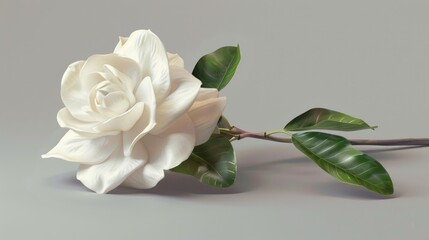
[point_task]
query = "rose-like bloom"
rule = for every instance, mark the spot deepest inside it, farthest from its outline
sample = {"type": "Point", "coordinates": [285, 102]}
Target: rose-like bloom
{"type": "Point", "coordinates": [132, 114]}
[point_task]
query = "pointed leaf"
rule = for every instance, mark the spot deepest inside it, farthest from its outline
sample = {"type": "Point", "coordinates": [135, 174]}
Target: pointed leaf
{"type": "Point", "coordinates": [212, 163]}
{"type": "Point", "coordinates": [321, 118]}
{"type": "Point", "coordinates": [336, 156]}
{"type": "Point", "coordinates": [216, 69]}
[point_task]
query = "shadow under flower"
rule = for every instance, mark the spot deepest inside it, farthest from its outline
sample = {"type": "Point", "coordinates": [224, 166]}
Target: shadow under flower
{"type": "Point", "coordinates": [175, 184]}
{"type": "Point", "coordinates": [66, 181]}
{"type": "Point", "coordinates": [172, 185]}
{"type": "Point", "coordinates": [254, 169]}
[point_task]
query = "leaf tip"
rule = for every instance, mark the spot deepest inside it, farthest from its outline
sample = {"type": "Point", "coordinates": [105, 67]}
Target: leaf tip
{"type": "Point", "coordinates": [238, 52]}
{"type": "Point", "coordinates": [388, 191]}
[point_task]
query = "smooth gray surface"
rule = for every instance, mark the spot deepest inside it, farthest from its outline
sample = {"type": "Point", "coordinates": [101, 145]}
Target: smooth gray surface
{"type": "Point", "coordinates": [366, 58]}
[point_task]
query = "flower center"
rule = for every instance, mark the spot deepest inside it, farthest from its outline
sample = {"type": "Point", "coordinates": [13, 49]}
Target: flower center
{"type": "Point", "coordinates": [110, 99]}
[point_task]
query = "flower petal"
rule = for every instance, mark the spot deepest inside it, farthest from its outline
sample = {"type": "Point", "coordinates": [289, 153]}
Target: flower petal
{"type": "Point", "coordinates": [123, 122]}
{"type": "Point", "coordinates": [76, 148]}
{"type": "Point", "coordinates": [73, 92]}
{"type": "Point", "coordinates": [144, 93]}
{"type": "Point", "coordinates": [122, 41]}
{"type": "Point", "coordinates": [109, 174]}
{"type": "Point", "coordinates": [147, 50]}
{"type": "Point", "coordinates": [184, 90]}
{"type": "Point", "coordinates": [66, 120]}
{"type": "Point", "coordinates": [204, 115]}
{"type": "Point", "coordinates": [175, 60]}
{"type": "Point", "coordinates": [206, 93]}
{"type": "Point", "coordinates": [166, 151]}
{"type": "Point", "coordinates": [96, 63]}
{"type": "Point", "coordinates": [173, 146]}
{"type": "Point", "coordinates": [124, 81]}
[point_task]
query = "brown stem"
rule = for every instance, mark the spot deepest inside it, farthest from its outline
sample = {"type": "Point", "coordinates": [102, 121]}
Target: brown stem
{"type": "Point", "coordinates": [392, 142]}
{"type": "Point", "coordinates": [240, 134]}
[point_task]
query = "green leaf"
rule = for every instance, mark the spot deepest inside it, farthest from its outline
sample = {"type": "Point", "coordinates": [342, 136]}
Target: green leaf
{"type": "Point", "coordinates": [336, 156]}
{"type": "Point", "coordinates": [212, 163]}
{"type": "Point", "coordinates": [321, 118]}
{"type": "Point", "coordinates": [216, 69]}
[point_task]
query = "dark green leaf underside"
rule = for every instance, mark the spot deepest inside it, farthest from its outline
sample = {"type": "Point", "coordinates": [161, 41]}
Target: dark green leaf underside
{"type": "Point", "coordinates": [216, 69]}
{"type": "Point", "coordinates": [321, 118]}
{"type": "Point", "coordinates": [336, 156]}
{"type": "Point", "coordinates": [212, 163]}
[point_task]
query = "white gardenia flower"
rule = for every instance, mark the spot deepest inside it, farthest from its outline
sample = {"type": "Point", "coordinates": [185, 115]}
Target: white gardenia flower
{"type": "Point", "coordinates": [132, 114]}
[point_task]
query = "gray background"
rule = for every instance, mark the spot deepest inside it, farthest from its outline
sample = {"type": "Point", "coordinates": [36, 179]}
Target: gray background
{"type": "Point", "coordinates": [366, 58]}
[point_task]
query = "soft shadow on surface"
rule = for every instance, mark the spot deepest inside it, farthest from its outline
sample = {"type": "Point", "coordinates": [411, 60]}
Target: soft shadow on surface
{"type": "Point", "coordinates": [337, 189]}
{"type": "Point", "coordinates": [172, 185]}
{"type": "Point", "coordinates": [298, 165]}
{"type": "Point", "coordinates": [391, 149]}
{"type": "Point", "coordinates": [175, 184]}
{"type": "Point", "coordinates": [255, 169]}
{"type": "Point", "coordinates": [66, 181]}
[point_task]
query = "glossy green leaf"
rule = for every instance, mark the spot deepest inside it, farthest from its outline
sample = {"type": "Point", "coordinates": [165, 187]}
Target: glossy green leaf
{"type": "Point", "coordinates": [321, 118]}
{"type": "Point", "coordinates": [336, 156]}
{"type": "Point", "coordinates": [216, 69]}
{"type": "Point", "coordinates": [212, 163]}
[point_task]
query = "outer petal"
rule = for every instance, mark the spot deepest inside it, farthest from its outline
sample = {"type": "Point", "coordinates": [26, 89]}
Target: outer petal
{"type": "Point", "coordinates": [206, 93]}
{"type": "Point", "coordinates": [184, 90]}
{"type": "Point", "coordinates": [112, 126]}
{"type": "Point", "coordinates": [175, 60]}
{"type": "Point", "coordinates": [109, 174]}
{"type": "Point", "coordinates": [122, 41]}
{"type": "Point", "coordinates": [166, 151]}
{"type": "Point", "coordinates": [144, 93]}
{"type": "Point", "coordinates": [66, 120]}
{"type": "Point", "coordinates": [204, 115]}
{"type": "Point", "coordinates": [73, 92]}
{"type": "Point", "coordinates": [147, 50]}
{"type": "Point", "coordinates": [76, 148]}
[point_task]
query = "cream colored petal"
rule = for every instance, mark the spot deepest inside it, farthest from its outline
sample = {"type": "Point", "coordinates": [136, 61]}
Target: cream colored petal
{"type": "Point", "coordinates": [66, 120]}
{"type": "Point", "coordinates": [144, 93]}
{"type": "Point", "coordinates": [104, 177]}
{"type": "Point", "coordinates": [123, 122]}
{"type": "Point", "coordinates": [74, 92]}
{"type": "Point", "coordinates": [206, 93]}
{"type": "Point", "coordinates": [122, 41]}
{"type": "Point", "coordinates": [205, 115]}
{"type": "Point", "coordinates": [123, 81]}
{"type": "Point", "coordinates": [145, 177]}
{"type": "Point", "coordinates": [96, 63]}
{"type": "Point", "coordinates": [175, 60]}
{"type": "Point", "coordinates": [76, 148]}
{"type": "Point", "coordinates": [140, 129]}
{"type": "Point", "coordinates": [147, 50]}
{"type": "Point", "coordinates": [184, 90]}
{"type": "Point", "coordinates": [166, 151]}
